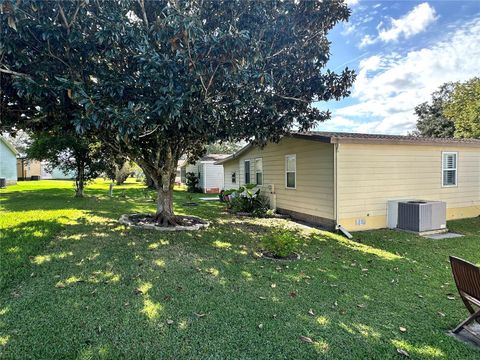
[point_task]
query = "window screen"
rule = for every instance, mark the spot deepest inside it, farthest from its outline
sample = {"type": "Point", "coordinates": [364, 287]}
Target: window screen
{"type": "Point", "coordinates": [449, 169]}
{"type": "Point", "coordinates": [290, 171]}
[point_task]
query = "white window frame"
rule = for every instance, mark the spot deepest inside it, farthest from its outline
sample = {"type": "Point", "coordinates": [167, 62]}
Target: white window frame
{"type": "Point", "coordinates": [249, 172]}
{"type": "Point", "coordinates": [256, 171]}
{"type": "Point", "coordinates": [286, 172]}
{"type": "Point", "coordinates": [447, 169]}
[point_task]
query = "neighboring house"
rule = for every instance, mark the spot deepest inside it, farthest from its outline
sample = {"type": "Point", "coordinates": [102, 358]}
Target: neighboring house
{"type": "Point", "coordinates": [56, 173]}
{"type": "Point", "coordinates": [8, 161]}
{"type": "Point", "coordinates": [210, 175]}
{"type": "Point", "coordinates": [346, 179]}
{"type": "Point", "coordinates": [29, 169]}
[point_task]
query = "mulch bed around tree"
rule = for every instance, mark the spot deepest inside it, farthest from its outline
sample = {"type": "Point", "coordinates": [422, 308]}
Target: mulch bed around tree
{"type": "Point", "coordinates": [147, 221]}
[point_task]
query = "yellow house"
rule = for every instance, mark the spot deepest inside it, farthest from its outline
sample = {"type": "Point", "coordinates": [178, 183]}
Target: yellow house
{"type": "Point", "coordinates": [348, 179]}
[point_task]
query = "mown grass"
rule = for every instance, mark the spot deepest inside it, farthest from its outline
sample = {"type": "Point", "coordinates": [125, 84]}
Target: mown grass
{"type": "Point", "coordinates": [74, 284]}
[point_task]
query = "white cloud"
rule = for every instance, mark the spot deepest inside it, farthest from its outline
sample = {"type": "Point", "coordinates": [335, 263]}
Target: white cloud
{"type": "Point", "coordinates": [388, 87]}
{"type": "Point", "coordinates": [414, 22]}
{"type": "Point", "coordinates": [352, 2]}
{"type": "Point", "coordinates": [367, 40]}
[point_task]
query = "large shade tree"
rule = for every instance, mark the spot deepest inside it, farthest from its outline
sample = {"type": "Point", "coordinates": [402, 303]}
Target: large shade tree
{"type": "Point", "coordinates": [463, 108]}
{"type": "Point", "coordinates": [431, 120]}
{"type": "Point", "coordinates": [158, 79]}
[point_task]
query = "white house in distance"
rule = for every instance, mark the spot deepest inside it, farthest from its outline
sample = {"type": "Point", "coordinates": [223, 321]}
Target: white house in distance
{"type": "Point", "coordinates": [349, 180]}
{"type": "Point", "coordinates": [211, 177]}
{"type": "Point", "coordinates": [8, 161]}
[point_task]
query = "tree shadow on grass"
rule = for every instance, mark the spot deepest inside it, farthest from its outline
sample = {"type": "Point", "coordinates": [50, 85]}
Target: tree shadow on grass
{"type": "Point", "coordinates": [99, 287]}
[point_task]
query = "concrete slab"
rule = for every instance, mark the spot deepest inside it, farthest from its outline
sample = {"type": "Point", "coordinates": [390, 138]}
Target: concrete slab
{"type": "Point", "coordinates": [468, 337]}
{"type": "Point", "coordinates": [448, 235]}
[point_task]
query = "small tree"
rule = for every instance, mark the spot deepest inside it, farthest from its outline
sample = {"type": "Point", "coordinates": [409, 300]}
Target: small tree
{"type": "Point", "coordinates": [463, 108]}
{"type": "Point", "coordinates": [69, 154]}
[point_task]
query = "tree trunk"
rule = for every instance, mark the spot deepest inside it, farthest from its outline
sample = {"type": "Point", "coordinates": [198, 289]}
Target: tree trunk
{"type": "Point", "coordinates": [80, 180]}
{"type": "Point", "coordinates": [149, 181]}
{"type": "Point", "coordinates": [161, 169]}
{"type": "Point", "coordinates": [165, 215]}
{"type": "Point", "coordinates": [164, 183]}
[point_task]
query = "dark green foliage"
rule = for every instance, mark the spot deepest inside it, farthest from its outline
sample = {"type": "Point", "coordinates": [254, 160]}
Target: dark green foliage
{"type": "Point", "coordinates": [431, 119]}
{"type": "Point", "coordinates": [281, 242]}
{"type": "Point", "coordinates": [192, 182]}
{"type": "Point", "coordinates": [155, 80]}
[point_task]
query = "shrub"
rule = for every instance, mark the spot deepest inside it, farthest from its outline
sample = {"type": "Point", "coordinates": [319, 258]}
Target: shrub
{"type": "Point", "coordinates": [246, 199]}
{"type": "Point", "coordinates": [192, 182]}
{"type": "Point", "coordinates": [280, 243]}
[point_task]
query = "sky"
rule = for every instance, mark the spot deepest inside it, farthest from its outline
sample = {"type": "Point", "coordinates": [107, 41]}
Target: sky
{"type": "Point", "coordinates": [401, 51]}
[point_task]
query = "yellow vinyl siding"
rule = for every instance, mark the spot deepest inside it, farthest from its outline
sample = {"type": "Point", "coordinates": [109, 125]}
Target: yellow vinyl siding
{"type": "Point", "coordinates": [369, 175]}
{"type": "Point", "coordinates": [314, 167]}
{"type": "Point", "coordinates": [229, 168]}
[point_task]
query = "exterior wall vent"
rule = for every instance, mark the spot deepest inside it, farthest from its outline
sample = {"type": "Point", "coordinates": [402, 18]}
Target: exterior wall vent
{"type": "Point", "coordinates": [3, 183]}
{"type": "Point", "coordinates": [421, 216]}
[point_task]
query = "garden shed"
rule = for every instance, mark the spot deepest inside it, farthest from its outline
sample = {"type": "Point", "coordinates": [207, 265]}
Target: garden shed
{"type": "Point", "coordinates": [210, 175]}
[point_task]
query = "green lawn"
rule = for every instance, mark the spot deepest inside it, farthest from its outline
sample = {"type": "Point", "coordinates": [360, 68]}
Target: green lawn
{"type": "Point", "coordinates": [75, 284]}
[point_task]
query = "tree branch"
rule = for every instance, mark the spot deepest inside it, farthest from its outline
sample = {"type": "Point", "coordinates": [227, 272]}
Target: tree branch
{"type": "Point", "coordinates": [292, 98]}
{"type": "Point", "coordinates": [64, 19]}
{"type": "Point", "coordinates": [11, 72]}
{"type": "Point", "coordinates": [144, 13]}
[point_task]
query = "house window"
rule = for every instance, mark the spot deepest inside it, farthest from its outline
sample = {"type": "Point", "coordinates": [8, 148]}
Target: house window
{"type": "Point", "coordinates": [234, 177]}
{"type": "Point", "coordinates": [247, 171]}
{"type": "Point", "coordinates": [259, 171]}
{"type": "Point", "coordinates": [449, 168]}
{"type": "Point", "coordinates": [290, 171]}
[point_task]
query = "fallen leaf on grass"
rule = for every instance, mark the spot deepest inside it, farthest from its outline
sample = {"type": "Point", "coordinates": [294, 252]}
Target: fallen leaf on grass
{"type": "Point", "coordinates": [260, 326]}
{"type": "Point", "coordinates": [361, 306]}
{"type": "Point", "coordinates": [262, 298]}
{"type": "Point", "coordinates": [170, 322]}
{"type": "Point", "coordinates": [441, 314]}
{"type": "Point", "coordinates": [60, 286]}
{"type": "Point", "coordinates": [450, 297]}
{"type": "Point", "coordinates": [200, 315]}
{"type": "Point", "coordinates": [273, 286]}
{"type": "Point", "coordinates": [402, 329]}
{"type": "Point", "coordinates": [311, 313]}
{"type": "Point", "coordinates": [293, 294]}
{"type": "Point", "coordinates": [403, 352]}
{"type": "Point", "coordinates": [306, 339]}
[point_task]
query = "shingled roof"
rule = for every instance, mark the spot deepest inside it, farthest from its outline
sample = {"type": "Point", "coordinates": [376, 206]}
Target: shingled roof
{"type": "Point", "coordinates": [342, 137]}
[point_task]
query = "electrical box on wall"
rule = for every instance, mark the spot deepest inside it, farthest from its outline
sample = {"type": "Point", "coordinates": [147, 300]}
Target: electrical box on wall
{"type": "Point", "coordinates": [360, 221]}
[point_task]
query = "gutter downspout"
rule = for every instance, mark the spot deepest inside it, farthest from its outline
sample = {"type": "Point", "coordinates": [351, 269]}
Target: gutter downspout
{"type": "Point", "coordinates": [338, 226]}
{"type": "Point", "coordinates": [335, 186]}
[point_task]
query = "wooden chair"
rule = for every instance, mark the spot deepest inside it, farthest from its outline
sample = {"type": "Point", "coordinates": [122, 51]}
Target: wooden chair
{"type": "Point", "coordinates": [467, 278]}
